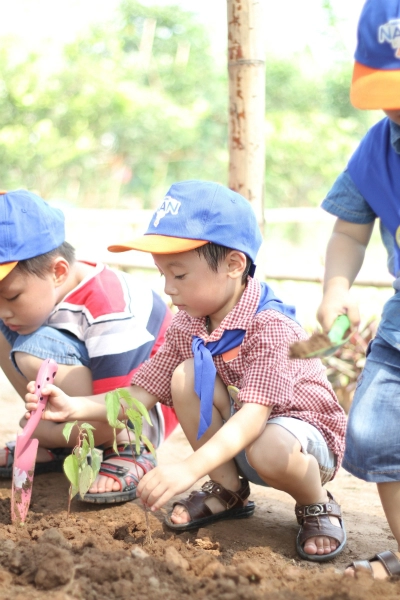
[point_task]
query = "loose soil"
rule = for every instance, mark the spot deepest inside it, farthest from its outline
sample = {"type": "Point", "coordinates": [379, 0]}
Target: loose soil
{"type": "Point", "coordinates": [101, 553]}
{"type": "Point", "coordinates": [306, 348]}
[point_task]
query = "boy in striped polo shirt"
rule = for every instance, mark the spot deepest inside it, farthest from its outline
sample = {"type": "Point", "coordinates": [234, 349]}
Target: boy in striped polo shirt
{"type": "Point", "coordinates": [92, 320]}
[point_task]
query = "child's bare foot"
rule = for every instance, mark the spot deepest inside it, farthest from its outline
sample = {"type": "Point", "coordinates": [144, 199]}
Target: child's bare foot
{"type": "Point", "coordinates": [46, 460]}
{"type": "Point", "coordinates": [43, 455]}
{"type": "Point", "coordinates": [321, 544]}
{"type": "Point", "coordinates": [119, 475]}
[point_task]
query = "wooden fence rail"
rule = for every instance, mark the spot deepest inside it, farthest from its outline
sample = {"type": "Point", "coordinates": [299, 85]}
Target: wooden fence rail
{"type": "Point", "coordinates": [92, 230]}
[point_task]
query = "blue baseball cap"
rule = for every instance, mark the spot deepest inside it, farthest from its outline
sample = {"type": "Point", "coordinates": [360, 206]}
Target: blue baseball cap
{"type": "Point", "coordinates": [376, 74]}
{"type": "Point", "coordinates": [28, 227]}
{"type": "Point", "coordinates": [194, 213]}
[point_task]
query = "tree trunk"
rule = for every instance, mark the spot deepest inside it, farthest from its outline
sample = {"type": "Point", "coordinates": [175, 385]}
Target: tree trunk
{"type": "Point", "coordinates": [246, 68]}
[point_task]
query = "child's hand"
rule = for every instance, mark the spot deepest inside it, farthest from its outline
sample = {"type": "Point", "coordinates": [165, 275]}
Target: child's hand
{"type": "Point", "coordinates": [59, 408]}
{"type": "Point", "coordinates": [162, 483]}
{"type": "Point", "coordinates": [334, 305]}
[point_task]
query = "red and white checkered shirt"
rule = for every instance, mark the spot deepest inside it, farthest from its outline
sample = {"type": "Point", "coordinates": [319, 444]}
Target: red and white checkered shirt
{"type": "Point", "coordinates": [262, 371]}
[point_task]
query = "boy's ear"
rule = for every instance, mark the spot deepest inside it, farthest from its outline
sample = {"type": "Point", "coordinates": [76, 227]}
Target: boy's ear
{"type": "Point", "coordinates": [60, 269]}
{"type": "Point", "coordinates": [236, 263]}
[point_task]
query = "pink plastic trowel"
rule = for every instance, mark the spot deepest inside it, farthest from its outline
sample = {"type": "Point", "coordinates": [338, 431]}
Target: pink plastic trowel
{"type": "Point", "coordinates": [26, 448]}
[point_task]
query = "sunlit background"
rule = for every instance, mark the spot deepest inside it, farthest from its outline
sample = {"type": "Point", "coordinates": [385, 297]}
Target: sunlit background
{"type": "Point", "coordinates": [104, 103]}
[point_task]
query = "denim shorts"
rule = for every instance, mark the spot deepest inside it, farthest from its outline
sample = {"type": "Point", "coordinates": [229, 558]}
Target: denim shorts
{"type": "Point", "coordinates": [311, 441]}
{"type": "Point", "coordinates": [47, 342]}
{"type": "Point", "coordinates": [373, 429]}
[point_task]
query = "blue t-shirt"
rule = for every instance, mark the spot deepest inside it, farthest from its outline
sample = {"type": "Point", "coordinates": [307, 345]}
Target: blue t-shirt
{"type": "Point", "coordinates": [345, 201]}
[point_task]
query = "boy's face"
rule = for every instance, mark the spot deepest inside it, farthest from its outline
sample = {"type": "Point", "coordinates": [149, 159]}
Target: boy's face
{"type": "Point", "coordinates": [26, 301]}
{"type": "Point", "coordinates": [394, 115]}
{"type": "Point", "coordinates": [194, 287]}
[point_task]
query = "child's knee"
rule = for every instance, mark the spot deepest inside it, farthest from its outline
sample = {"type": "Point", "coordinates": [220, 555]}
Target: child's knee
{"type": "Point", "coordinates": [182, 381]}
{"type": "Point", "coordinates": [267, 465]}
{"type": "Point", "coordinates": [27, 364]}
{"type": "Point", "coordinates": [269, 455]}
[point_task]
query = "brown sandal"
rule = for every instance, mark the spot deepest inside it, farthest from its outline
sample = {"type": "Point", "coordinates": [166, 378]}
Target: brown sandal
{"type": "Point", "coordinates": [314, 521]}
{"type": "Point", "coordinates": [201, 515]}
{"type": "Point", "coordinates": [387, 558]}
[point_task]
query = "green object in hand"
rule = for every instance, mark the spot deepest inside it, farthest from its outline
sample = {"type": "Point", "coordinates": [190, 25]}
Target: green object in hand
{"type": "Point", "coordinates": [338, 330]}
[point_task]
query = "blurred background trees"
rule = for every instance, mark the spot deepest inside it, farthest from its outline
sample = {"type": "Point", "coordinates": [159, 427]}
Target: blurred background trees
{"type": "Point", "coordinates": [140, 101]}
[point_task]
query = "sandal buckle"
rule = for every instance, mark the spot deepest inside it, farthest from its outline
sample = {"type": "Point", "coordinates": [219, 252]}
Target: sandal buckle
{"type": "Point", "coordinates": [208, 486]}
{"type": "Point", "coordinates": [313, 510]}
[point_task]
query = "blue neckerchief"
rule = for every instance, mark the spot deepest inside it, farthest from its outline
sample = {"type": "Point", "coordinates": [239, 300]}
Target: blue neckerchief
{"type": "Point", "coordinates": [204, 368]}
{"type": "Point", "coordinates": [375, 170]}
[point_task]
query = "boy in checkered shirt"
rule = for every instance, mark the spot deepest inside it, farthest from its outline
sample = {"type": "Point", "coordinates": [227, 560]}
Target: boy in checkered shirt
{"type": "Point", "coordinates": [249, 412]}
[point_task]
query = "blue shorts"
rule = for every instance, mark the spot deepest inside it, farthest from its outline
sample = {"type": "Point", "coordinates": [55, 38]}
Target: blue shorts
{"type": "Point", "coordinates": [47, 342]}
{"type": "Point", "coordinates": [373, 430]}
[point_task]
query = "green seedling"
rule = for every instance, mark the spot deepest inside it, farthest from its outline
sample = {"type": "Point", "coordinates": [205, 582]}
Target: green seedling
{"type": "Point", "coordinates": [133, 412]}
{"type": "Point", "coordinates": [79, 471]}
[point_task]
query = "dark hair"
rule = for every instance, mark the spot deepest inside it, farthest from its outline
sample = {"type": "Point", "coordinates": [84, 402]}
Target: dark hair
{"type": "Point", "coordinates": [214, 254]}
{"type": "Point", "coordinates": [40, 265]}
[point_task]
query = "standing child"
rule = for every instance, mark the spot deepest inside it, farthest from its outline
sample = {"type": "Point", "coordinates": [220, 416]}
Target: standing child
{"type": "Point", "coordinates": [91, 319]}
{"type": "Point", "coordinates": [367, 189]}
{"type": "Point", "coordinates": [249, 412]}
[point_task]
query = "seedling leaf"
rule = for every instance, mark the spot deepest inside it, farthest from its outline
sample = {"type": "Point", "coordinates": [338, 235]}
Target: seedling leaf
{"type": "Point", "coordinates": [71, 469]}
{"type": "Point", "coordinates": [96, 462]}
{"type": "Point", "coordinates": [135, 419]}
{"type": "Point", "coordinates": [88, 427]}
{"type": "Point", "coordinates": [149, 445]}
{"type": "Point", "coordinates": [135, 404]}
{"type": "Point", "coordinates": [113, 407]}
{"type": "Point", "coordinates": [67, 429]}
{"type": "Point", "coordinates": [73, 491]}
{"type": "Point", "coordinates": [125, 395]}
{"type": "Point", "coordinates": [90, 437]}
{"type": "Point", "coordinates": [142, 409]}
{"type": "Point", "coordinates": [84, 450]}
{"type": "Point", "coordinates": [85, 479]}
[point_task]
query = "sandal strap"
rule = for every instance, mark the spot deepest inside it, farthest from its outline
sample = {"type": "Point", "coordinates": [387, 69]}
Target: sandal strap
{"type": "Point", "coordinates": [110, 469]}
{"type": "Point", "coordinates": [124, 451]}
{"type": "Point", "coordinates": [196, 505]}
{"type": "Point", "coordinates": [361, 565]}
{"type": "Point", "coordinates": [124, 476]}
{"type": "Point", "coordinates": [9, 449]}
{"type": "Point", "coordinates": [330, 508]}
{"type": "Point", "coordinates": [227, 496]}
{"type": "Point", "coordinates": [314, 521]}
{"type": "Point", "coordinates": [389, 561]}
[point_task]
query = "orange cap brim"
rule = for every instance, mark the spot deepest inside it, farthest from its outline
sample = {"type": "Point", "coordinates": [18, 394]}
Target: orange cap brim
{"type": "Point", "coordinates": [159, 244]}
{"type": "Point", "coordinates": [6, 268]}
{"type": "Point", "coordinates": [375, 89]}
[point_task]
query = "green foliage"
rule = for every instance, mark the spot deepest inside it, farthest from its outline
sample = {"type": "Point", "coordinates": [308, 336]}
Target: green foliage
{"type": "Point", "coordinates": [311, 131]}
{"type": "Point", "coordinates": [79, 471]}
{"type": "Point", "coordinates": [119, 118]}
{"type": "Point", "coordinates": [140, 102]}
{"type": "Point", "coordinates": [135, 411]}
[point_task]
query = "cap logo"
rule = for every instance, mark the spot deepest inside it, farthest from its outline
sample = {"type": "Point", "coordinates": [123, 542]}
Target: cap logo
{"type": "Point", "coordinates": [169, 205]}
{"type": "Point", "coordinates": [390, 32]}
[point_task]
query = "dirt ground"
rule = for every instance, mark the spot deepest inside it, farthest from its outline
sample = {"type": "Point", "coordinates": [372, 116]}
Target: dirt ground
{"type": "Point", "coordinates": [101, 553]}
